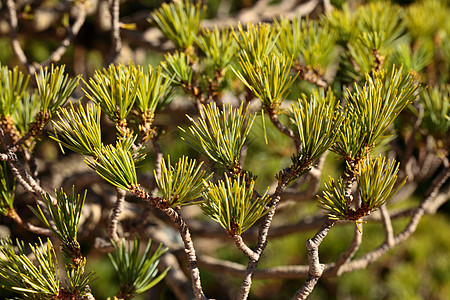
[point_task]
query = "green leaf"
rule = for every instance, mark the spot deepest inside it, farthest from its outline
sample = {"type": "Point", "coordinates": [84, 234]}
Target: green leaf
{"type": "Point", "coordinates": [79, 129]}
{"type": "Point", "coordinates": [267, 77]}
{"type": "Point", "coordinates": [257, 41]}
{"type": "Point", "coordinates": [7, 190]}
{"type": "Point", "coordinates": [54, 88]}
{"type": "Point", "coordinates": [178, 66]}
{"type": "Point", "coordinates": [333, 200]}
{"type": "Point", "coordinates": [13, 89]}
{"type": "Point", "coordinates": [371, 109]}
{"type": "Point", "coordinates": [18, 272]}
{"type": "Point", "coordinates": [310, 43]}
{"type": "Point", "coordinates": [317, 120]}
{"type": "Point", "coordinates": [115, 164]}
{"type": "Point", "coordinates": [220, 135]}
{"type": "Point", "coordinates": [436, 105]}
{"type": "Point", "coordinates": [376, 182]}
{"type": "Point", "coordinates": [65, 215]}
{"type": "Point", "coordinates": [230, 203]}
{"type": "Point", "coordinates": [181, 184]}
{"type": "Point", "coordinates": [137, 273]}
{"type": "Point", "coordinates": [154, 90]}
{"type": "Point", "coordinates": [218, 45]}
{"type": "Point", "coordinates": [180, 22]}
{"type": "Point", "coordinates": [114, 89]}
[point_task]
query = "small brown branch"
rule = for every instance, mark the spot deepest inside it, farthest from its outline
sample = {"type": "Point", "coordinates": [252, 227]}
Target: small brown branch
{"type": "Point", "coordinates": [30, 227]}
{"type": "Point", "coordinates": [351, 250]}
{"type": "Point", "coordinates": [158, 160]}
{"type": "Point", "coordinates": [115, 30]}
{"type": "Point", "coordinates": [262, 242]}
{"type": "Point", "coordinates": [387, 224]}
{"type": "Point", "coordinates": [13, 22]}
{"type": "Point", "coordinates": [244, 248]}
{"type": "Point", "coordinates": [311, 75]}
{"type": "Point", "coordinates": [315, 267]}
{"type": "Point", "coordinates": [72, 32]}
{"type": "Point", "coordinates": [183, 229]}
{"type": "Point", "coordinates": [175, 278]}
{"type": "Point", "coordinates": [190, 251]}
{"type": "Point", "coordinates": [115, 214]}
{"type": "Point", "coordinates": [280, 126]}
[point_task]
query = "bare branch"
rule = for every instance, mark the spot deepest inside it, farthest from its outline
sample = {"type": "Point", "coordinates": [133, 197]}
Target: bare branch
{"type": "Point", "coordinates": [115, 214]}
{"type": "Point", "coordinates": [315, 267]}
{"type": "Point", "coordinates": [190, 251]}
{"type": "Point", "coordinates": [389, 231]}
{"type": "Point", "coordinates": [158, 160]}
{"type": "Point", "coordinates": [244, 248]}
{"type": "Point", "coordinates": [115, 30]}
{"type": "Point", "coordinates": [13, 22]}
{"type": "Point", "coordinates": [72, 32]}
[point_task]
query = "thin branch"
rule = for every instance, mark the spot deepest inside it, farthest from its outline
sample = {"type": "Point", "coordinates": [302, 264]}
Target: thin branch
{"type": "Point", "coordinates": [13, 22]}
{"type": "Point", "coordinates": [115, 214]}
{"type": "Point", "coordinates": [262, 242]}
{"type": "Point", "coordinates": [30, 227]}
{"type": "Point", "coordinates": [280, 126]}
{"type": "Point", "coordinates": [19, 171]}
{"type": "Point", "coordinates": [387, 224]}
{"type": "Point", "coordinates": [244, 248]}
{"type": "Point", "coordinates": [190, 251]}
{"type": "Point", "coordinates": [315, 267]}
{"type": "Point", "coordinates": [157, 166]}
{"type": "Point", "coordinates": [351, 250]}
{"type": "Point", "coordinates": [115, 30]}
{"type": "Point", "coordinates": [72, 32]}
{"type": "Point", "coordinates": [183, 229]}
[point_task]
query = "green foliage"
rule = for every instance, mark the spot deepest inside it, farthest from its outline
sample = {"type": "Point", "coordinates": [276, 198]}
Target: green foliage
{"type": "Point", "coordinates": [182, 184]}
{"type": "Point", "coordinates": [317, 121]}
{"type": "Point", "coordinates": [180, 22]}
{"type": "Point", "coordinates": [220, 135]}
{"type": "Point", "coordinates": [54, 88]}
{"type": "Point", "coordinates": [333, 200]}
{"type": "Point", "coordinates": [77, 281]}
{"type": "Point", "coordinates": [19, 273]}
{"type": "Point", "coordinates": [154, 90]}
{"type": "Point", "coordinates": [115, 164]}
{"type": "Point", "coordinates": [371, 109]}
{"type": "Point", "coordinates": [376, 181]}
{"type": "Point", "coordinates": [137, 273]}
{"type": "Point", "coordinates": [436, 105]}
{"type": "Point", "coordinates": [179, 68]}
{"type": "Point", "coordinates": [218, 45]}
{"type": "Point", "coordinates": [381, 18]}
{"type": "Point", "coordinates": [79, 129]}
{"type": "Point", "coordinates": [65, 215]}
{"type": "Point", "coordinates": [13, 89]}
{"type": "Point", "coordinates": [257, 41]}
{"type": "Point", "coordinates": [230, 202]}
{"type": "Point", "coordinates": [7, 190]}
{"type": "Point", "coordinates": [343, 22]}
{"type": "Point", "coordinates": [114, 89]}
{"type": "Point", "coordinates": [25, 112]}
{"type": "Point", "coordinates": [426, 18]}
{"type": "Point", "coordinates": [267, 77]}
{"type": "Point", "coordinates": [310, 43]}
{"type": "Point", "coordinates": [416, 59]}
{"type": "Point", "coordinates": [16, 103]}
